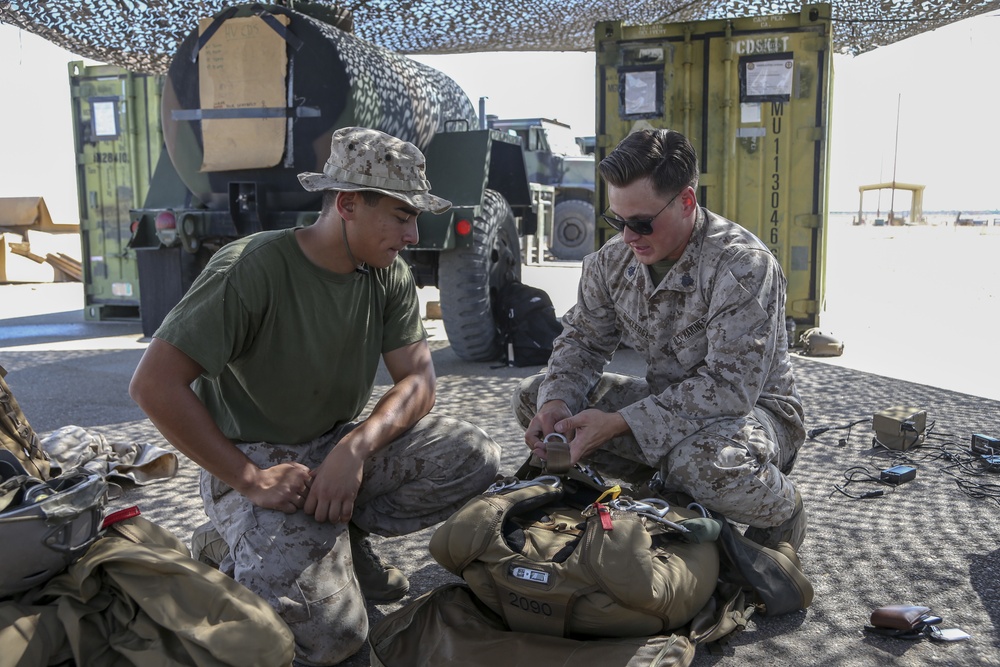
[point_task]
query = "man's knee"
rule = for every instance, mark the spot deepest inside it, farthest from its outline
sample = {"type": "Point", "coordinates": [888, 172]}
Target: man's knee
{"type": "Point", "coordinates": [726, 477]}
{"type": "Point", "coordinates": [483, 454]}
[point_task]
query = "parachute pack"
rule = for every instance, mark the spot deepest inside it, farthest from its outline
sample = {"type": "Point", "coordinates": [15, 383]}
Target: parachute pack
{"type": "Point", "coordinates": [46, 521]}
{"type": "Point", "coordinates": [557, 563]}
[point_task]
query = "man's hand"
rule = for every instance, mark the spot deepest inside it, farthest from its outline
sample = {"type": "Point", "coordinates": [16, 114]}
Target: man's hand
{"type": "Point", "coordinates": [283, 487]}
{"type": "Point", "coordinates": [543, 423]}
{"type": "Point", "coordinates": [335, 484]}
{"type": "Point", "coordinates": [589, 430]}
{"type": "Point", "coordinates": [585, 432]}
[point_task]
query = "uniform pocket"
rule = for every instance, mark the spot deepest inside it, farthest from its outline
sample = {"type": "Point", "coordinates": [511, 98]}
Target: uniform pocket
{"type": "Point", "coordinates": [290, 560]}
{"type": "Point", "coordinates": [692, 351]}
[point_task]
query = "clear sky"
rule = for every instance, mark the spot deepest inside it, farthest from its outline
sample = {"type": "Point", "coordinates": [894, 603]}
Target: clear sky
{"type": "Point", "coordinates": [943, 81]}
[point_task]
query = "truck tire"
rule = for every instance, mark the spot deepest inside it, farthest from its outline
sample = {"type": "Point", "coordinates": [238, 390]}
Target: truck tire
{"type": "Point", "coordinates": [469, 279]}
{"type": "Point", "coordinates": [573, 229]}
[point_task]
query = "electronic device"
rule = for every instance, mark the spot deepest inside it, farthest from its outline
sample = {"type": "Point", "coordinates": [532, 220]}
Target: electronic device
{"type": "Point", "coordinates": [899, 427]}
{"type": "Point", "coordinates": [898, 474]}
{"type": "Point", "coordinates": [984, 444]}
{"type": "Point", "coordinates": [992, 462]}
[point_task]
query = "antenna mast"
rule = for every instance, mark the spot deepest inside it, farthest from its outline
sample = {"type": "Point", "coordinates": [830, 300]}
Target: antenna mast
{"type": "Point", "coordinates": [895, 152]}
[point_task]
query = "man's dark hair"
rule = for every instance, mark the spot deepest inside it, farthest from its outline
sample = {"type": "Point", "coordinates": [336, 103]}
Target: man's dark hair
{"type": "Point", "coordinates": [664, 156]}
{"type": "Point", "coordinates": [370, 197]}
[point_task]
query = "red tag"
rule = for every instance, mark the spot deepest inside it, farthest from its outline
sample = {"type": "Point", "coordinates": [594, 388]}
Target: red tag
{"type": "Point", "coordinates": [605, 514]}
{"type": "Point", "coordinates": [120, 515]}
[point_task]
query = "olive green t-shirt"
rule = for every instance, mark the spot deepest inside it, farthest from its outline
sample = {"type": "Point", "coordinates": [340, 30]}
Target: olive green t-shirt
{"type": "Point", "coordinates": [659, 270]}
{"type": "Point", "coordinates": [289, 350]}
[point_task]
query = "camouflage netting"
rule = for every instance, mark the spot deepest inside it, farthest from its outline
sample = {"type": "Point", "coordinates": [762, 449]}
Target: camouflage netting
{"type": "Point", "coordinates": [141, 34]}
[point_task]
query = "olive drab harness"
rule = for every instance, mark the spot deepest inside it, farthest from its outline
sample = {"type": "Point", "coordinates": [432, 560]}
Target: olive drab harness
{"type": "Point", "coordinates": [17, 436]}
{"type": "Point", "coordinates": [48, 518]}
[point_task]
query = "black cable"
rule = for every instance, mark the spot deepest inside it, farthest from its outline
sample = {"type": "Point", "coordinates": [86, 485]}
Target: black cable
{"type": "Point", "coordinates": [812, 433]}
{"type": "Point", "coordinates": [962, 465]}
{"type": "Point", "coordinates": [946, 451]}
{"type": "Point", "coordinates": [979, 491]}
{"type": "Point", "coordinates": [856, 474]}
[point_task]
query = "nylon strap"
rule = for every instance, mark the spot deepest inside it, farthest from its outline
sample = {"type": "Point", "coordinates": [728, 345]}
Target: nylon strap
{"type": "Point", "coordinates": [19, 437]}
{"type": "Point", "coordinates": [557, 453]}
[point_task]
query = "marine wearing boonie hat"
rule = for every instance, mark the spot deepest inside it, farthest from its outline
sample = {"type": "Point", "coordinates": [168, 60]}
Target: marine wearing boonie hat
{"type": "Point", "coordinates": [366, 159]}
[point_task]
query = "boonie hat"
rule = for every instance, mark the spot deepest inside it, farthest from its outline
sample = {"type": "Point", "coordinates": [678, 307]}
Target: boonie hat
{"type": "Point", "coordinates": [364, 159]}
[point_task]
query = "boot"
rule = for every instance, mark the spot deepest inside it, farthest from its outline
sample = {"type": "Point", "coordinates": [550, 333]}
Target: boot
{"type": "Point", "coordinates": [792, 531]}
{"type": "Point", "coordinates": [208, 546]}
{"type": "Point", "coordinates": [379, 582]}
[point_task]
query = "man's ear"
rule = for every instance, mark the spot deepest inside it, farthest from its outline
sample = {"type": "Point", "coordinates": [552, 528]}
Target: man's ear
{"type": "Point", "coordinates": [346, 202]}
{"type": "Point", "coordinates": [688, 199]}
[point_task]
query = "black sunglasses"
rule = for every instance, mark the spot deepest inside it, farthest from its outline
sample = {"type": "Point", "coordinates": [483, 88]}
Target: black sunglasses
{"type": "Point", "coordinates": [642, 227]}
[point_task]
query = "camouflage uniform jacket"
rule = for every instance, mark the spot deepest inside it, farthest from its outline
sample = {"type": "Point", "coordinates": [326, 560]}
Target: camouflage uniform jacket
{"type": "Point", "coordinates": [712, 335]}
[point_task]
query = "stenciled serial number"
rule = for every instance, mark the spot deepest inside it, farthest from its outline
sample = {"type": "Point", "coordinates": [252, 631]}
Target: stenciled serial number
{"type": "Point", "coordinates": [110, 158]}
{"type": "Point", "coordinates": [529, 605]}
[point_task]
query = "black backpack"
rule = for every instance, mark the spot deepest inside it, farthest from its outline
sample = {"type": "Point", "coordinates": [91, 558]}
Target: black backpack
{"type": "Point", "coordinates": [527, 324]}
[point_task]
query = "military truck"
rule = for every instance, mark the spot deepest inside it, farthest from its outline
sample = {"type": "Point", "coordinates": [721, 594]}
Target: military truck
{"type": "Point", "coordinates": [553, 157]}
{"type": "Point", "coordinates": [251, 99]}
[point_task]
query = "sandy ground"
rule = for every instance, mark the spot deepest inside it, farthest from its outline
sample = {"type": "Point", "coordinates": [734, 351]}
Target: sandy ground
{"type": "Point", "coordinates": [917, 303]}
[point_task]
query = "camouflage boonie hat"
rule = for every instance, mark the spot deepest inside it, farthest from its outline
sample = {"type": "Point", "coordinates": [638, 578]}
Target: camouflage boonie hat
{"type": "Point", "coordinates": [364, 159]}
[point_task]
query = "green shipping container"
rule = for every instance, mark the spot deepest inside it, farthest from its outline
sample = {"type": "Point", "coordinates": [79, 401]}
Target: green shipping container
{"type": "Point", "coordinates": [118, 142]}
{"type": "Point", "coordinates": [753, 96]}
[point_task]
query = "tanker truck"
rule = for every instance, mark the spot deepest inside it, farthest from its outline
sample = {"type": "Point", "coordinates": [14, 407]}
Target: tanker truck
{"type": "Point", "coordinates": [251, 99]}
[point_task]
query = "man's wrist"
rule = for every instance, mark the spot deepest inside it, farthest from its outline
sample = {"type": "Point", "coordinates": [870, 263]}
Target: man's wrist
{"type": "Point", "coordinates": [247, 479]}
{"type": "Point", "coordinates": [549, 403]}
{"type": "Point", "coordinates": [621, 425]}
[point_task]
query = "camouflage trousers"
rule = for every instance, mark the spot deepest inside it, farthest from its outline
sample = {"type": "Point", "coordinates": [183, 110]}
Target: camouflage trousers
{"type": "Point", "coordinates": [737, 467]}
{"type": "Point", "coordinates": [304, 568]}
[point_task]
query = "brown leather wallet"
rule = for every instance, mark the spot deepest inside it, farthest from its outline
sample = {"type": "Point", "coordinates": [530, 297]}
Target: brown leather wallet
{"type": "Point", "coordinates": [899, 617]}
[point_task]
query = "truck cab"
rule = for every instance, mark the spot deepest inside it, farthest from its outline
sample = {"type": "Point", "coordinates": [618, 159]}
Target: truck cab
{"type": "Point", "coordinates": [553, 156]}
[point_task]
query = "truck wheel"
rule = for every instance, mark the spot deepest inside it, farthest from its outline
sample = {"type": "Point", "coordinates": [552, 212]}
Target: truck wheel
{"type": "Point", "coordinates": [573, 229]}
{"type": "Point", "coordinates": [469, 279]}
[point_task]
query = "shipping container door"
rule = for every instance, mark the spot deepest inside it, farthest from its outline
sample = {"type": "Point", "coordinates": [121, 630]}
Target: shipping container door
{"type": "Point", "coordinates": [753, 97]}
{"type": "Point", "coordinates": [118, 140]}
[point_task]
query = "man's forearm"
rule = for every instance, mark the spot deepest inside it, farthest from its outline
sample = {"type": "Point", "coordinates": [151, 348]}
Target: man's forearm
{"type": "Point", "coordinates": [161, 386]}
{"type": "Point", "coordinates": [399, 409]}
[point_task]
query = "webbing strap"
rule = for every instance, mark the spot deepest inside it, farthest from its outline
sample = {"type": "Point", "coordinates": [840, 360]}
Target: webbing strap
{"type": "Point", "coordinates": [262, 14]}
{"type": "Point", "coordinates": [557, 454]}
{"type": "Point", "coordinates": [17, 432]}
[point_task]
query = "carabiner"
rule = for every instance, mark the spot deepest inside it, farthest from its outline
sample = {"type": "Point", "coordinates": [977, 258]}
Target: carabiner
{"type": "Point", "coordinates": [511, 483]}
